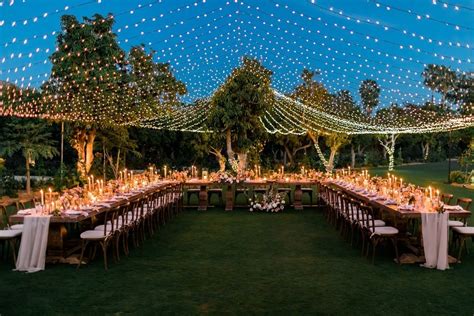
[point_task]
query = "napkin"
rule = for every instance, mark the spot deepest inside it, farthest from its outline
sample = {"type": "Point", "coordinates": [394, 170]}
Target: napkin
{"type": "Point", "coordinates": [390, 202]}
{"type": "Point", "coordinates": [73, 212]}
{"type": "Point", "coordinates": [407, 207]}
{"type": "Point", "coordinates": [24, 212]}
{"type": "Point", "coordinates": [453, 208]}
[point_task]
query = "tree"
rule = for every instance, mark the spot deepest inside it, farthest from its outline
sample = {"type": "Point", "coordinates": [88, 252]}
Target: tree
{"type": "Point", "coordinates": [369, 92]}
{"type": "Point", "coordinates": [116, 144]}
{"type": "Point", "coordinates": [32, 139]}
{"type": "Point", "coordinates": [463, 93]}
{"type": "Point", "coordinates": [315, 95]}
{"type": "Point", "coordinates": [292, 145]}
{"type": "Point", "coordinates": [88, 68]}
{"type": "Point", "coordinates": [237, 106]}
{"type": "Point", "coordinates": [94, 84]}
{"type": "Point", "coordinates": [388, 143]}
{"type": "Point", "coordinates": [439, 79]}
{"type": "Point", "coordinates": [153, 85]}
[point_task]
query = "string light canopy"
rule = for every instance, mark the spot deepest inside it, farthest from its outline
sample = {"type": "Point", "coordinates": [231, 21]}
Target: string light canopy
{"type": "Point", "coordinates": [204, 41]}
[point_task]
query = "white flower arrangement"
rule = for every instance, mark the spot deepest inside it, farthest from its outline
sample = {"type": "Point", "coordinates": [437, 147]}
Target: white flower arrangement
{"type": "Point", "coordinates": [271, 202]}
{"type": "Point", "coordinates": [226, 178]}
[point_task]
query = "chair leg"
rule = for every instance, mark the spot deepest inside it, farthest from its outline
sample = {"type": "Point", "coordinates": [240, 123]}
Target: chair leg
{"type": "Point", "coordinates": [395, 246]}
{"type": "Point", "coordinates": [83, 248]}
{"type": "Point", "coordinates": [104, 250]}
{"type": "Point", "coordinates": [373, 249]}
{"type": "Point", "coordinates": [461, 245]}
{"type": "Point", "coordinates": [13, 246]}
{"type": "Point", "coordinates": [117, 242]}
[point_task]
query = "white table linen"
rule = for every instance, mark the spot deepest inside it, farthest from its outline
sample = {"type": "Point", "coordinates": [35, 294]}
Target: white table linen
{"type": "Point", "coordinates": [32, 254]}
{"type": "Point", "coordinates": [435, 230]}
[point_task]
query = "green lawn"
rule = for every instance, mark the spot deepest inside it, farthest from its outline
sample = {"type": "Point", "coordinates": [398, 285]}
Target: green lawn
{"type": "Point", "coordinates": [240, 262]}
{"type": "Point", "coordinates": [429, 174]}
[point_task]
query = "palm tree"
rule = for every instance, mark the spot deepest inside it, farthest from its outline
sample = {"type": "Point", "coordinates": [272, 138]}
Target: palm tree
{"type": "Point", "coordinates": [29, 137]}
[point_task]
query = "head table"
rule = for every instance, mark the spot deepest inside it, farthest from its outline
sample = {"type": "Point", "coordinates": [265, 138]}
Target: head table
{"type": "Point", "coordinates": [251, 184]}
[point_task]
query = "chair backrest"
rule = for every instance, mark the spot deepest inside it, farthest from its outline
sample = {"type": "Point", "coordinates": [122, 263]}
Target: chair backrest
{"type": "Point", "coordinates": [464, 202]}
{"type": "Point", "coordinates": [3, 217]}
{"type": "Point", "coordinates": [367, 217]}
{"type": "Point", "coordinates": [354, 206]}
{"type": "Point", "coordinates": [446, 198]}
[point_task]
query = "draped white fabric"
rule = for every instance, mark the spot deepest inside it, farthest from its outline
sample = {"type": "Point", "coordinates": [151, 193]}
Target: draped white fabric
{"type": "Point", "coordinates": [32, 254]}
{"type": "Point", "coordinates": [435, 239]}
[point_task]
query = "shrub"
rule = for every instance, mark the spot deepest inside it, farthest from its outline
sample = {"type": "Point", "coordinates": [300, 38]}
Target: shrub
{"type": "Point", "coordinates": [8, 185]}
{"type": "Point", "coordinates": [457, 176]}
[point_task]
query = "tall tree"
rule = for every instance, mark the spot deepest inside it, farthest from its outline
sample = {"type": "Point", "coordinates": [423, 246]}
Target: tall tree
{"type": "Point", "coordinates": [87, 72]}
{"type": "Point", "coordinates": [315, 95]}
{"type": "Point", "coordinates": [440, 79]}
{"type": "Point", "coordinates": [32, 139]}
{"type": "Point", "coordinates": [238, 105]}
{"type": "Point", "coordinates": [369, 92]}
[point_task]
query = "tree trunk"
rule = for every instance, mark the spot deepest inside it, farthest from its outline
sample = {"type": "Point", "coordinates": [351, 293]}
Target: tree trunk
{"type": "Point", "coordinates": [242, 161]}
{"type": "Point", "coordinates": [220, 158]}
{"type": "Point", "coordinates": [228, 139]}
{"type": "Point", "coordinates": [103, 163]}
{"type": "Point", "coordinates": [90, 150]}
{"type": "Point", "coordinates": [28, 178]}
{"type": "Point", "coordinates": [353, 157]}
{"type": "Point", "coordinates": [314, 138]}
{"type": "Point", "coordinates": [79, 143]}
{"type": "Point", "coordinates": [332, 155]}
{"type": "Point", "coordinates": [389, 148]}
{"type": "Point", "coordinates": [289, 155]}
{"type": "Point", "coordinates": [426, 151]}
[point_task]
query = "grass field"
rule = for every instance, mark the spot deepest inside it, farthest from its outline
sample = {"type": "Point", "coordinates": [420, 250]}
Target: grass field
{"type": "Point", "coordinates": [240, 262]}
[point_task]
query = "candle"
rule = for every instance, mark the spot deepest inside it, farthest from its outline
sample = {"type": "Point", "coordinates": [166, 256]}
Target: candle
{"type": "Point", "coordinates": [401, 182]}
{"type": "Point", "coordinates": [42, 197]}
{"type": "Point", "coordinates": [50, 194]}
{"type": "Point", "coordinates": [165, 171]}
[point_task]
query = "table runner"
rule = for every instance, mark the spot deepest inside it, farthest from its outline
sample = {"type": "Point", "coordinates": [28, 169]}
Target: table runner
{"type": "Point", "coordinates": [435, 239]}
{"type": "Point", "coordinates": [32, 254]}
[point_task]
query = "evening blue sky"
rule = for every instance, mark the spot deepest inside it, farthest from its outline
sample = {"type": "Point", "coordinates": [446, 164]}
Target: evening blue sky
{"type": "Point", "coordinates": [204, 40]}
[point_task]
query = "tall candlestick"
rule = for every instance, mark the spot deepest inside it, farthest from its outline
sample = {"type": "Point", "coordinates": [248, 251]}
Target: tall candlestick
{"type": "Point", "coordinates": [50, 194]}
{"type": "Point", "coordinates": [42, 197]}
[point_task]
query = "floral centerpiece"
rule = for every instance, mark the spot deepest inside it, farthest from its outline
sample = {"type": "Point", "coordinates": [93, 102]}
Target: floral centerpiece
{"type": "Point", "coordinates": [272, 201]}
{"type": "Point", "coordinates": [226, 178]}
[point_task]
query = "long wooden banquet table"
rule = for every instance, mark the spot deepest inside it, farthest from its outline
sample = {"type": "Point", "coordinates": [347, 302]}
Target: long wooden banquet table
{"type": "Point", "coordinates": [229, 199]}
{"type": "Point", "coordinates": [395, 211]}
{"type": "Point", "coordinates": [60, 248]}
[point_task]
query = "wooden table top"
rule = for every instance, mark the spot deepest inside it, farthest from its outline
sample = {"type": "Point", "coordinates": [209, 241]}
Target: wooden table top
{"type": "Point", "coordinates": [393, 209]}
